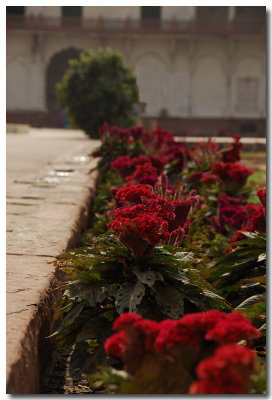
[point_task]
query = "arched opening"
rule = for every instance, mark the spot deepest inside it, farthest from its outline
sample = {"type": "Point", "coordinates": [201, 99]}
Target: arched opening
{"type": "Point", "coordinates": [73, 11]}
{"type": "Point", "coordinates": [209, 88]}
{"type": "Point", "coordinates": [212, 13]}
{"type": "Point", "coordinates": [250, 13]}
{"type": "Point", "coordinates": [56, 68]}
{"type": "Point", "coordinates": [18, 10]}
{"type": "Point", "coordinates": [148, 12]}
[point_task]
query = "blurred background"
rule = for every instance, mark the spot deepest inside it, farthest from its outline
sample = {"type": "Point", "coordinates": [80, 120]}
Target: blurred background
{"type": "Point", "coordinates": [200, 70]}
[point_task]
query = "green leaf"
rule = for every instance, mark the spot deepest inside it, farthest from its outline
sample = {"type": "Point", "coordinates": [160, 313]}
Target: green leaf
{"type": "Point", "coordinates": [262, 257]}
{"type": "Point", "coordinates": [258, 381]}
{"type": "Point", "coordinates": [216, 301]}
{"type": "Point", "coordinates": [129, 296]}
{"type": "Point", "coordinates": [147, 276]}
{"type": "Point", "coordinates": [239, 260]}
{"type": "Point", "coordinates": [170, 300]}
{"type": "Point", "coordinates": [256, 313]}
{"type": "Point", "coordinates": [94, 328]}
{"type": "Point", "coordinates": [184, 256]}
{"type": "Point", "coordinates": [111, 377]}
{"type": "Point", "coordinates": [86, 356]}
{"type": "Point", "coordinates": [248, 303]}
{"type": "Point", "coordinates": [97, 295]}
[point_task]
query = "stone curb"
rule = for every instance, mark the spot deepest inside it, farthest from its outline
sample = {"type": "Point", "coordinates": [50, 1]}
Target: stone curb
{"type": "Point", "coordinates": [57, 212]}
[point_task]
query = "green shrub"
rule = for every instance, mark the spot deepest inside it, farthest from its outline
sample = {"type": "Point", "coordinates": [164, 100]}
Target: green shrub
{"type": "Point", "coordinates": [97, 88]}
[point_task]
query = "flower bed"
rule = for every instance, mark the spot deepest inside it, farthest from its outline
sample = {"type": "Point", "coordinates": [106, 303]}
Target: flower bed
{"type": "Point", "coordinates": [175, 261]}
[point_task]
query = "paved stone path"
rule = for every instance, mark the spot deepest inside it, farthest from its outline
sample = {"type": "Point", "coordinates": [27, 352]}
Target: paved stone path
{"type": "Point", "coordinates": [48, 195]}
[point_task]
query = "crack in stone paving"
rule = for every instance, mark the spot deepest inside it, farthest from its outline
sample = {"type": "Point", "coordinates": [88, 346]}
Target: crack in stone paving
{"type": "Point", "coordinates": [18, 290]}
{"type": "Point", "coordinates": [20, 204]}
{"type": "Point", "coordinates": [17, 312]}
{"type": "Point", "coordinates": [31, 255]}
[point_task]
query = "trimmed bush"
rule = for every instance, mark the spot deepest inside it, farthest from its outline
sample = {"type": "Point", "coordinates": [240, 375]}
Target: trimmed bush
{"type": "Point", "coordinates": [97, 88]}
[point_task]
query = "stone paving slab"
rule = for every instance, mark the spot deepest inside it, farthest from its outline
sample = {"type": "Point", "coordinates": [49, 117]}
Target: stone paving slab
{"type": "Point", "coordinates": [49, 190]}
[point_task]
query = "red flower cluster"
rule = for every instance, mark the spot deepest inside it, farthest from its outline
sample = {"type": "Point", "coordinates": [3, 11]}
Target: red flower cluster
{"type": "Point", "coordinates": [143, 171]}
{"type": "Point", "coordinates": [262, 196]}
{"type": "Point", "coordinates": [141, 233]}
{"type": "Point", "coordinates": [194, 329]}
{"type": "Point", "coordinates": [233, 176]}
{"type": "Point", "coordinates": [142, 210]}
{"type": "Point", "coordinates": [230, 212]}
{"type": "Point", "coordinates": [255, 220]}
{"type": "Point", "coordinates": [125, 166]}
{"type": "Point", "coordinates": [131, 195]}
{"type": "Point", "coordinates": [128, 135]}
{"type": "Point", "coordinates": [204, 154]}
{"type": "Point", "coordinates": [233, 328]}
{"type": "Point", "coordinates": [206, 178]}
{"type": "Point", "coordinates": [157, 140]}
{"type": "Point", "coordinates": [228, 371]}
{"type": "Point", "coordinates": [138, 336]}
{"type": "Point", "coordinates": [176, 154]}
{"type": "Point", "coordinates": [232, 154]}
{"type": "Point", "coordinates": [135, 337]}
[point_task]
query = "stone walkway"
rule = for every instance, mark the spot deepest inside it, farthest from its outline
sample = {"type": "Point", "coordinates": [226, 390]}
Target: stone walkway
{"type": "Point", "coordinates": [49, 190]}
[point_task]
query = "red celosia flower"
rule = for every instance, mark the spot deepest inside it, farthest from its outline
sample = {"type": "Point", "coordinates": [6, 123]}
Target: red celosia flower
{"type": "Point", "coordinates": [157, 139]}
{"type": "Point", "coordinates": [125, 320]}
{"type": "Point", "coordinates": [189, 331]}
{"type": "Point", "coordinates": [232, 329]}
{"type": "Point", "coordinates": [133, 324]}
{"type": "Point", "coordinates": [176, 236]}
{"type": "Point", "coordinates": [157, 162]}
{"type": "Point", "coordinates": [204, 154]}
{"type": "Point", "coordinates": [150, 329]}
{"type": "Point", "coordinates": [148, 180]}
{"type": "Point", "coordinates": [262, 196]}
{"type": "Point", "coordinates": [172, 339]}
{"type": "Point", "coordinates": [122, 165]}
{"type": "Point", "coordinates": [208, 179]}
{"type": "Point", "coordinates": [130, 212]}
{"type": "Point", "coordinates": [116, 344]}
{"type": "Point", "coordinates": [258, 222]}
{"type": "Point", "coordinates": [177, 154]}
{"type": "Point", "coordinates": [230, 212]}
{"type": "Point", "coordinates": [232, 154]}
{"type": "Point", "coordinates": [225, 200]}
{"type": "Point", "coordinates": [154, 206]}
{"type": "Point", "coordinates": [195, 177]}
{"type": "Point", "coordinates": [144, 170]}
{"type": "Point", "coordinates": [137, 132]}
{"type": "Point", "coordinates": [125, 165]}
{"type": "Point", "coordinates": [141, 233]}
{"type": "Point", "coordinates": [159, 206]}
{"type": "Point", "coordinates": [256, 218]}
{"type": "Point", "coordinates": [132, 195]}
{"type": "Point", "coordinates": [228, 371]}
{"type": "Point", "coordinates": [234, 176]}
{"type": "Point", "coordinates": [114, 132]}
{"type": "Point", "coordinates": [233, 216]}
{"type": "Point", "coordinates": [181, 210]}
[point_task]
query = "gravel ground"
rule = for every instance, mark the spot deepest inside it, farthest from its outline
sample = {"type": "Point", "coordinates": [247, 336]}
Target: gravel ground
{"type": "Point", "coordinates": [60, 382]}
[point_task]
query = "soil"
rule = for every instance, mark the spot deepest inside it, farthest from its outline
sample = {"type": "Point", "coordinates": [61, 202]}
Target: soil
{"type": "Point", "coordinates": [60, 382]}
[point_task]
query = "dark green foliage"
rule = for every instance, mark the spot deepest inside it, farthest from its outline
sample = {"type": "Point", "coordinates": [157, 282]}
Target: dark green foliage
{"type": "Point", "coordinates": [241, 273]}
{"type": "Point", "coordinates": [98, 88]}
{"type": "Point", "coordinates": [107, 280]}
